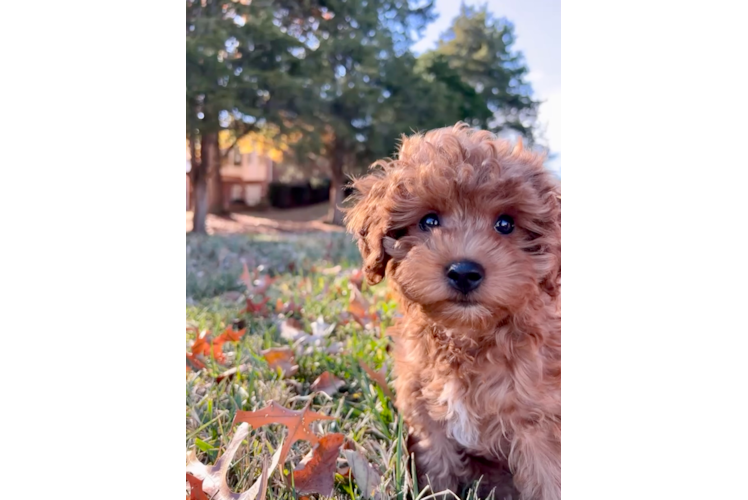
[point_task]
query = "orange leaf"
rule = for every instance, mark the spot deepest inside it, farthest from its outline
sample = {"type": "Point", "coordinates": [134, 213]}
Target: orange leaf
{"type": "Point", "coordinates": [327, 383]}
{"type": "Point", "coordinates": [297, 422]}
{"type": "Point", "coordinates": [232, 335]}
{"type": "Point", "coordinates": [196, 488]}
{"type": "Point", "coordinates": [377, 377]}
{"type": "Point", "coordinates": [281, 357]}
{"type": "Point", "coordinates": [201, 345]}
{"type": "Point", "coordinates": [318, 474]}
{"type": "Point", "coordinates": [229, 335]}
{"type": "Point", "coordinates": [191, 358]}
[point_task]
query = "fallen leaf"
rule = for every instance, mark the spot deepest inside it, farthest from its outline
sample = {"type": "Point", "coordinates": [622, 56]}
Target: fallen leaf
{"type": "Point", "coordinates": [281, 357]}
{"type": "Point", "coordinates": [317, 474]}
{"type": "Point", "coordinates": [321, 328]}
{"type": "Point", "coordinates": [297, 422]}
{"type": "Point", "coordinates": [357, 278]}
{"type": "Point", "coordinates": [228, 335]}
{"type": "Point", "coordinates": [327, 383]}
{"type": "Point", "coordinates": [290, 330]}
{"type": "Point", "coordinates": [252, 308]}
{"type": "Point", "coordinates": [196, 488]}
{"type": "Point", "coordinates": [191, 358]}
{"type": "Point", "coordinates": [264, 478]}
{"type": "Point", "coordinates": [378, 377]}
{"type": "Point", "coordinates": [214, 478]}
{"type": "Point", "coordinates": [201, 344]}
{"type": "Point", "coordinates": [367, 478]}
{"type": "Point", "coordinates": [200, 347]}
{"type": "Point", "coordinates": [359, 308]}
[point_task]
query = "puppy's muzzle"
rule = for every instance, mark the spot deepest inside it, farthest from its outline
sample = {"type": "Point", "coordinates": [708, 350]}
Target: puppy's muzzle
{"type": "Point", "coordinates": [465, 276]}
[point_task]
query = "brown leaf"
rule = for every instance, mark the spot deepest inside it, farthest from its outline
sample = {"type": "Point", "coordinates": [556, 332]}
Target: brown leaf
{"type": "Point", "coordinates": [297, 422]}
{"type": "Point", "coordinates": [196, 488]}
{"type": "Point", "coordinates": [357, 278]}
{"type": "Point", "coordinates": [252, 308]}
{"type": "Point", "coordinates": [378, 377]}
{"type": "Point", "coordinates": [327, 383]}
{"type": "Point", "coordinates": [318, 474]}
{"type": "Point", "coordinates": [281, 357]}
{"type": "Point", "coordinates": [214, 477]}
{"type": "Point", "coordinates": [359, 308]}
{"type": "Point", "coordinates": [367, 478]}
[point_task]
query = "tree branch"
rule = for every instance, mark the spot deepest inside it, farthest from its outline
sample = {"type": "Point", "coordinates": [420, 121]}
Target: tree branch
{"type": "Point", "coordinates": [239, 137]}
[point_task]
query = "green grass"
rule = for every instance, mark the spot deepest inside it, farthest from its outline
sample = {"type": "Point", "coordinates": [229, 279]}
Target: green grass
{"type": "Point", "coordinates": [363, 413]}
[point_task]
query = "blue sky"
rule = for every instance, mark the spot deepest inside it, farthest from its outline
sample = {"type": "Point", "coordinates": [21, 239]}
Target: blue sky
{"type": "Point", "coordinates": [538, 30]}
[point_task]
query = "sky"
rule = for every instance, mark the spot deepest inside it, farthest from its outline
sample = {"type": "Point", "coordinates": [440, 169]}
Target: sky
{"type": "Point", "coordinates": [537, 26]}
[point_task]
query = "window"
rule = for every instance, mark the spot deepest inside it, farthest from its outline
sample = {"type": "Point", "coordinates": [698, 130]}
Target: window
{"type": "Point", "coordinates": [236, 192]}
{"type": "Point", "coordinates": [237, 157]}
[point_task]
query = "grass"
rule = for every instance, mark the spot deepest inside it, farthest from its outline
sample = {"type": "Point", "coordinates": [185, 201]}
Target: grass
{"type": "Point", "coordinates": [363, 413]}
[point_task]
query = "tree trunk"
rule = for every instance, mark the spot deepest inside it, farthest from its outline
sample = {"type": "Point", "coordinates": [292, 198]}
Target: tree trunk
{"type": "Point", "coordinates": [215, 188]}
{"type": "Point", "coordinates": [337, 181]}
{"type": "Point", "coordinates": [200, 183]}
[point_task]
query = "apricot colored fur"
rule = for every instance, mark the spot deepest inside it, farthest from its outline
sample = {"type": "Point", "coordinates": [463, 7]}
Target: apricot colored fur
{"type": "Point", "coordinates": [478, 380]}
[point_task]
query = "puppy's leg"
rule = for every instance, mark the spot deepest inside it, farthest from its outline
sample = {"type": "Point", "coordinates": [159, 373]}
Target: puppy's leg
{"type": "Point", "coordinates": [439, 463]}
{"type": "Point", "coordinates": [536, 462]}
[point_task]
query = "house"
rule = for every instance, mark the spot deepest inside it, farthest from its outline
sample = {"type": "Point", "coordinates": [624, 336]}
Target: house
{"type": "Point", "coordinates": [246, 172]}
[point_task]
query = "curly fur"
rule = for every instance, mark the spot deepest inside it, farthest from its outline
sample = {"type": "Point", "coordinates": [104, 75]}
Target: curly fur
{"type": "Point", "coordinates": [478, 381]}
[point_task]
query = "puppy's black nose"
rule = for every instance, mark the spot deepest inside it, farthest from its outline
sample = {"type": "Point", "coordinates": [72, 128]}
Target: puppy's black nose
{"type": "Point", "coordinates": [465, 276]}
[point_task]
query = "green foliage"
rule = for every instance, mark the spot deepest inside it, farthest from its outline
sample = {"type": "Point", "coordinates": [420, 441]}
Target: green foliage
{"type": "Point", "coordinates": [478, 48]}
{"type": "Point", "coordinates": [339, 76]}
{"type": "Point", "coordinates": [243, 64]}
{"type": "Point", "coordinates": [363, 413]}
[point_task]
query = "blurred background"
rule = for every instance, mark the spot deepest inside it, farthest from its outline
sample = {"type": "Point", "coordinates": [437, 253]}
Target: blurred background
{"type": "Point", "coordinates": [285, 99]}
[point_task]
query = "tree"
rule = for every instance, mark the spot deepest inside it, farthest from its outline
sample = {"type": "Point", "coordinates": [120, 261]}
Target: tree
{"type": "Point", "coordinates": [477, 49]}
{"type": "Point", "coordinates": [356, 41]}
{"type": "Point", "coordinates": [244, 72]}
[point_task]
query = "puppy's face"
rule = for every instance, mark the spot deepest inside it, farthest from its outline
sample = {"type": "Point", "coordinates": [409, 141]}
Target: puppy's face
{"type": "Point", "coordinates": [466, 228]}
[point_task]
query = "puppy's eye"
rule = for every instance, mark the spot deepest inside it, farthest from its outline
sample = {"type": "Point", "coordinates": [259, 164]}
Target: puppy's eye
{"type": "Point", "coordinates": [504, 224]}
{"type": "Point", "coordinates": [428, 222]}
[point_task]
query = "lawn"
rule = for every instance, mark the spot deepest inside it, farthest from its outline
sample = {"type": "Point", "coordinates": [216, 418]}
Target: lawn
{"type": "Point", "coordinates": [304, 301]}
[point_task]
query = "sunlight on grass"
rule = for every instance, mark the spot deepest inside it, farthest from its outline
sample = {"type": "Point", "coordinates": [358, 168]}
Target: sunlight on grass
{"type": "Point", "coordinates": [306, 272]}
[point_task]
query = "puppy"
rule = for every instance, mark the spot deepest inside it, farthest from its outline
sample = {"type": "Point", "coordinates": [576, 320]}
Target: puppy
{"type": "Point", "coordinates": [468, 230]}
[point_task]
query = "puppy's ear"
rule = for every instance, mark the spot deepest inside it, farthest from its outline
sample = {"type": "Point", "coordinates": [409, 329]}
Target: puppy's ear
{"type": "Point", "coordinates": [367, 221]}
{"type": "Point", "coordinates": [552, 283]}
